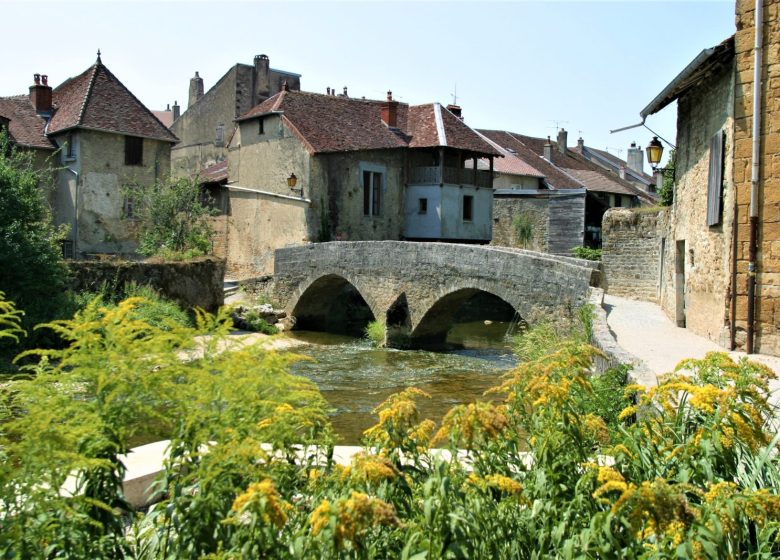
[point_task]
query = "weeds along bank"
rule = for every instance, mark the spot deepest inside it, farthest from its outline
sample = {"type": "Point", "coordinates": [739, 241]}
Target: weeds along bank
{"type": "Point", "coordinates": [696, 479]}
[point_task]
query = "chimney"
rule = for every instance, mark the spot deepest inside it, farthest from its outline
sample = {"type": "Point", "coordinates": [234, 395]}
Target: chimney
{"type": "Point", "coordinates": [40, 94]}
{"type": "Point", "coordinates": [285, 86]}
{"type": "Point", "coordinates": [580, 144]}
{"type": "Point", "coordinates": [563, 137]}
{"type": "Point", "coordinates": [327, 91]}
{"type": "Point", "coordinates": [345, 92]}
{"type": "Point", "coordinates": [176, 110]}
{"type": "Point", "coordinates": [196, 89]}
{"type": "Point", "coordinates": [262, 79]}
{"type": "Point", "coordinates": [622, 171]}
{"type": "Point", "coordinates": [390, 111]}
{"type": "Point", "coordinates": [635, 158]}
{"type": "Point", "coordinates": [548, 150]}
{"type": "Point", "coordinates": [455, 110]}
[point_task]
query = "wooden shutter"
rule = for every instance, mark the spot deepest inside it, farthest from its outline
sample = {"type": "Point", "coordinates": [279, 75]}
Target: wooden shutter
{"type": "Point", "coordinates": [715, 180]}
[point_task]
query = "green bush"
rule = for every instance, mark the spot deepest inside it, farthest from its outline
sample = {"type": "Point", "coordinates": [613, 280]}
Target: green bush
{"type": "Point", "coordinates": [375, 332]}
{"type": "Point", "coordinates": [32, 271]}
{"type": "Point", "coordinates": [173, 219]}
{"type": "Point", "coordinates": [524, 230]}
{"type": "Point", "coordinates": [254, 322]}
{"type": "Point", "coordinates": [586, 253]}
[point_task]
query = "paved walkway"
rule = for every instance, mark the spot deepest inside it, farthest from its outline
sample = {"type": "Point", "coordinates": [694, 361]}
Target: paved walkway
{"type": "Point", "coordinates": [642, 329]}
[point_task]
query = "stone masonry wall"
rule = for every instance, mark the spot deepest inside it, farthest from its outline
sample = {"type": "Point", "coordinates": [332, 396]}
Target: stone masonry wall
{"type": "Point", "coordinates": [767, 321]}
{"type": "Point", "coordinates": [198, 282]}
{"type": "Point", "coordinates": [630, 253]}
{"type": "Point", "coordinates": [506, 210]}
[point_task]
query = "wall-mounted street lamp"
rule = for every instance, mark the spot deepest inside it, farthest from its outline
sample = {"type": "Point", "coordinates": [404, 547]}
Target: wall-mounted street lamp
{"type": "Point", "coordinates": [654, 152]}
{"type": "Point", "coordinates": [292, 180]}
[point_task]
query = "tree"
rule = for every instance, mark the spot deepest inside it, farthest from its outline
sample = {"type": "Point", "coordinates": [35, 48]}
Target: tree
{"type": "Point", "coordinates": [173, 219]}
{"type": "Point", "coordinates": [33, 273]}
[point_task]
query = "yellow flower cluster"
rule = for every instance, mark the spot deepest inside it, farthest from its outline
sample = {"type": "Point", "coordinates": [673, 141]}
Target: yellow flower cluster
{"type": "Point", "coordinates": [505, 484]}
{"type": "Point", "coordinates": [398, 418]}
{"type": "Point", "coordinates": [263, 498]}
{"type": "Point", "coordinates": [595, 427]}
{"type": "Point", "coordinates": [353, 517]}
{"type": "Point", "coordinates": [370, 469]}
{"type": "Point", "coordinates": [478, 421]}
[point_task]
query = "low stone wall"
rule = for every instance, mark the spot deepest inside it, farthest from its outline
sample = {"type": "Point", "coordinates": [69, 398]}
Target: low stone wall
{"type": "Point", "coordinates": [194, 283]}
{"type": "Point", "coordinates": [614, 355]}
{"type": "Point", "coordinates": [630, 253]}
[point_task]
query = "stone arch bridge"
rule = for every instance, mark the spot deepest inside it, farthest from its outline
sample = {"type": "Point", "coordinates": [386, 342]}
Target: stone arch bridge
{"type": "Point", "coordinates": [417, 289]}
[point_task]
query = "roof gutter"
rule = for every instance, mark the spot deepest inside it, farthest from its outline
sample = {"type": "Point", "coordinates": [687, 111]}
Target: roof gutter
{"type": "Point", "coordinates": [754, 178]}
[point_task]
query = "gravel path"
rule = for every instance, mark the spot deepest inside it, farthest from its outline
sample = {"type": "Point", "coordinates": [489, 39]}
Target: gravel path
{"type": "Point", "coordinates": [642, 329]}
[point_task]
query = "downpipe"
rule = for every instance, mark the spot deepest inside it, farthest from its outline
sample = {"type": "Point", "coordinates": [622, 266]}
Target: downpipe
{"type": "Point", "coordinates": [754, 179]}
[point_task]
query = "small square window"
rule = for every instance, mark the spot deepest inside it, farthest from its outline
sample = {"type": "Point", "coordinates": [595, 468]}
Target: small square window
{"type": "Point", "coordinates": [134, 150]}
{"type": "Point", "coordinates": [468, 208]}
{"type": "Point", "coordinates": [422, 205]}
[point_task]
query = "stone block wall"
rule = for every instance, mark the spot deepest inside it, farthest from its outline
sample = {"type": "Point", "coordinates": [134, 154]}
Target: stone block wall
{"type": "Point", "coordinates": [767, 320]}
{"type": "Point", "coordinates": [195, 283]}
{"type": "Point", "coordinates": [631, 253]}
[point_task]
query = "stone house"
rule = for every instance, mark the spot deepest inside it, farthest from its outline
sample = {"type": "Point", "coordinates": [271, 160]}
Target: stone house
{"type": "Point", "coordinates": [702, 263]}
{"type": "Point", "coordinates": [208, 124]}
{"type": "Point", "coordinates": [363, 169]}
{"type": "Point", "coordinates": [561, 220]}
{"type": "Point", "coordinates": [100, 140]}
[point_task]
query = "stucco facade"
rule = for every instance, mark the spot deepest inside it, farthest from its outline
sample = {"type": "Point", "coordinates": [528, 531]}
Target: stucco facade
{"type": "Point", "coordinates": [91, 186]}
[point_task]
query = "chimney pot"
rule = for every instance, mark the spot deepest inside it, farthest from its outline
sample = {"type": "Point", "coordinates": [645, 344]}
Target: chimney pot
{"type": "Point", "coordinates": [285, 87]}
{"type": "Point", "coordinates": [635, 158]}
{"type": "Point", "coordinates": [345, 91]}
{"type": "Point", "coordinates": [45, 79]}
{"type": "Point", "coordinates": [389, 95]}
{"type": "Point", "coordinates": [455, 110]}
{"type": "Point", "coordinates": [580, 143]}
{"type": "Point", "coordinates": [40, 94]}
{"type": "Point", "coordinates": [196, 89]}
{"type": "Point", "coordinates": [327, 91]}
{"type": "Point", "coordinates": [176, 110]}
{"type": "Point", "coordinates": [547, 150]}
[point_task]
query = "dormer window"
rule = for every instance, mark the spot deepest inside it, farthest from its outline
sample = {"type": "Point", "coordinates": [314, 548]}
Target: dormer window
{"type": "Point", "coordinates": [134, 150]}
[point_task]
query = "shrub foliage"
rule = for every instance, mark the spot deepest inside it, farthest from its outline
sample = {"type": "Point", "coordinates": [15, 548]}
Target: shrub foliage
{"type": "Point", "coordinates": [535, 471]}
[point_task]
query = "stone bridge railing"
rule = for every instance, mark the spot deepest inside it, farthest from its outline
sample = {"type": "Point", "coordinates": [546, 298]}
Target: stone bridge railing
{"type": "Point", "coordinates": [416, 288]}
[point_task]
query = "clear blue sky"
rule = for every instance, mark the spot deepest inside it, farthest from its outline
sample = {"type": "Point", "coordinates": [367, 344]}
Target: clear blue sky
{"type": "Point", "coordinates": [518, 66]}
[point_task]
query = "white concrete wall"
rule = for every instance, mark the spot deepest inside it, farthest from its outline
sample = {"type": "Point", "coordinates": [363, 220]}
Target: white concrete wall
{"type": "Point", "coordinates": [423, 226]}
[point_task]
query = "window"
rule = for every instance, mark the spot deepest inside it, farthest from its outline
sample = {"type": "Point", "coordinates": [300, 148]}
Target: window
{"type": "Point", "coordinates": [134, 150]}
{"type": "Point", "coordinates": [220, 138]}
{"type": "Point", "coordinates": [372, 193]}
{"type": "Point", "coordinates": [261, 126]}
{"type": "Point", "coordinates": [715, 180]}
{"type": "Point", "coordinates": [422, 205]}
{"type": "Point", "coordinates": [618, 201]}
{"type": "Point", "coordinates": [468, 208]}
{"type": "Point", "coordinates": [128, 207]}
{"type": "Point", "coordinates": [70, 149]}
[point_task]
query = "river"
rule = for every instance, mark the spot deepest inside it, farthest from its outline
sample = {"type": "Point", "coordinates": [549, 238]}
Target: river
{"type": "Point", "coordinates": [355, 377]}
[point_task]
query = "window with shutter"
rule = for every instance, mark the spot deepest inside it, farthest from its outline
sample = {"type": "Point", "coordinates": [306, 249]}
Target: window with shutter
{"type": "Point", "coordinates": [715, 180]}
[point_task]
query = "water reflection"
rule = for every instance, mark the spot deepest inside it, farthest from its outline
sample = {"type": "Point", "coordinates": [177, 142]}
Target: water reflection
{"type": "Point", "coordinates": [355, 377]}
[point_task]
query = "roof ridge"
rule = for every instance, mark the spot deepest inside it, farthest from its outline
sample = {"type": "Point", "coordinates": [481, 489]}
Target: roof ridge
{"type": "Point", "coordinates": [88, 93]}
{"type": "Point", "coordinates": [442, 134]}
{"type": "Point", "coordinates": [173, 137]}
{"type": "Point", "coordinates": [558, 167]}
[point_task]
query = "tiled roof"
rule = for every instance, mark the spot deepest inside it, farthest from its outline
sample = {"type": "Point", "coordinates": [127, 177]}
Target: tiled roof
{"type": "Point", "coordinates": [592, 175]}
{"type": "Point", "coordinates": [510, 164]}
{"type": "Point", "coordinates": [556, 178]}
{"type": "Point", "coordinates": [327, 123]}
{"type": "Point", "coordinates": [165, 117]}
{"type": "Point", "coordinates": [617, 162]}
{"type": "Point", "coordinates": [25, 127]}
{"type": "Point", "coordinates": [96, 99]}
{"type": "Point", "coordinates": [215, 173]}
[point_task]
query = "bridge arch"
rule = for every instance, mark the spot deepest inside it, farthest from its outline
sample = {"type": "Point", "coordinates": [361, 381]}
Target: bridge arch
{"type": "Point", "coordinates": [459, 303]}
{"type": "Point", "coordinates": [332, 303]}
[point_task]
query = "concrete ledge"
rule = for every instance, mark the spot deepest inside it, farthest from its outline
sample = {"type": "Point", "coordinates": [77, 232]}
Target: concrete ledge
{"type": "Point", "coordinates": [604, 340]}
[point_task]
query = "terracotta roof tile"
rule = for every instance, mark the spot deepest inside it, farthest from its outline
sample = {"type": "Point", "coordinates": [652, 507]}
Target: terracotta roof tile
{"type": "Point", "coordinates": [96, 99]}
{"type": "Point", "coordinates": [328, 123]}
{"type": "Point", "coordinates": [165, 117]}
{"type": "Point", "coordinates": [592, 175]}
{"type": "Point", "coordinates": [215, 173]}
{"type": "Point", "coordinates": [511, 163]}
{"type": "Point", "coordinates": [25, 127]}
{"type": "Point", "coordinates": [555, 178]}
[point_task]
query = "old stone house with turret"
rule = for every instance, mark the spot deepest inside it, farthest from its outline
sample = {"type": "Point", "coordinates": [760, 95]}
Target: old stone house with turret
{"type": "Point", "coordinates": [100, 140]}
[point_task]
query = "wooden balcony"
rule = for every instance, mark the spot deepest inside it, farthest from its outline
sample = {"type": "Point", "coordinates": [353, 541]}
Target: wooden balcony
{"type": "Point", "coordinates": [452, 175]}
